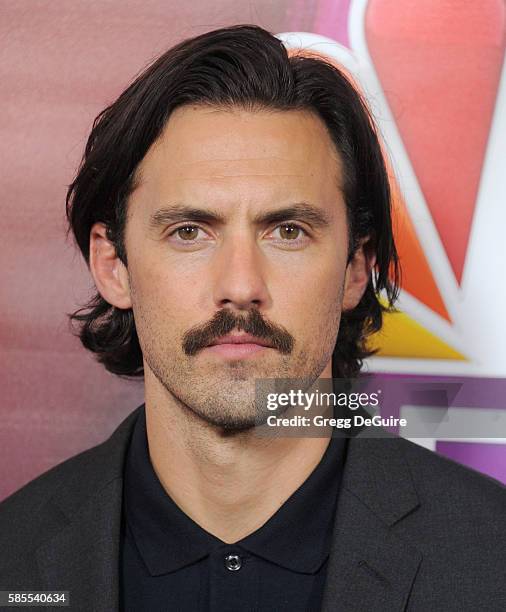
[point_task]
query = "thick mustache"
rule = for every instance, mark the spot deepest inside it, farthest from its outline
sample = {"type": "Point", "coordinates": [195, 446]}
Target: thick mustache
{"type": "Point", "coordinates": [224, 321]}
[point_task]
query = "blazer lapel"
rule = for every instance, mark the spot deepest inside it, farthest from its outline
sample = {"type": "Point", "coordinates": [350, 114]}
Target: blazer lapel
{"type": "Point", "coordinates": [370, 567]}
{"type": "Point", "coordinates": [83, 556]}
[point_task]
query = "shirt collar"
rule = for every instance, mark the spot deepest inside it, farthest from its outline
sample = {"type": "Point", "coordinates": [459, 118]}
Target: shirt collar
{"type": "Point", "coordinates": [296, 537]}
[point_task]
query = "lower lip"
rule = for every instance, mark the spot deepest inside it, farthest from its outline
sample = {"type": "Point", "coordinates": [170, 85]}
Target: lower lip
{"type": "Point", "coordinates": [236, 350]}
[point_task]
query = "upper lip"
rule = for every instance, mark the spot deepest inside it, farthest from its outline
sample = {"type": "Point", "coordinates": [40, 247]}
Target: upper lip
{"type": "Point", "coordinates": [241, 339]}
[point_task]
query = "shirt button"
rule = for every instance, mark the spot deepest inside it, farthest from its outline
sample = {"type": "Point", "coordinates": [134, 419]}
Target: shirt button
{"type": "Point", "coordinates": [233, 562]}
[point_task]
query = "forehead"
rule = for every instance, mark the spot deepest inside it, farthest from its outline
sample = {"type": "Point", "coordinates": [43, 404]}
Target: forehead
{"type": "Point", "coordinates": [211, 152]}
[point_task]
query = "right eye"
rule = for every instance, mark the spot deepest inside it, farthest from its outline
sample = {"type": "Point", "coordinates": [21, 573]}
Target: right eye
{"type": "Point", "coordinates": [187, 234]}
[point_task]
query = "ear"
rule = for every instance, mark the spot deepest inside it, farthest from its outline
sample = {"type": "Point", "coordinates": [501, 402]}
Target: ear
{"type": "Point", "coordinates": [358, 273]}
{"type": "Point", "coordinates": [108, 271]}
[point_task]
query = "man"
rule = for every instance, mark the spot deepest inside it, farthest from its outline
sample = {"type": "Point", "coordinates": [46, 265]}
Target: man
{"type": "Point", "coordinates": [234, 209]}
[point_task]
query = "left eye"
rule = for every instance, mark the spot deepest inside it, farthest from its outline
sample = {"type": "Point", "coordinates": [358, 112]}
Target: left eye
{"type": "Point", "coordinates": [289, 231]}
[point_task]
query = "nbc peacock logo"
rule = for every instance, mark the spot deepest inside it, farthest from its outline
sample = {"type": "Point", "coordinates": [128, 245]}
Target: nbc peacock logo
{"type": "Point", "coordinates": [436, 86]}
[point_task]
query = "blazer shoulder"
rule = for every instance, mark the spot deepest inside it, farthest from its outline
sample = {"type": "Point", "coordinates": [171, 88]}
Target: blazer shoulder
{"type": "Point", "coordinates": [35, 492]}
{"type": "Point", "coordinates": [440, 478]}
{"type": "Point", "coordinates": [47, 502]}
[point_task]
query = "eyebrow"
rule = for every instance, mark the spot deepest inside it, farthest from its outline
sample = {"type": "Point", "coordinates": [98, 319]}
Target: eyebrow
{"type": "Point", "coordinates": [302, 211]}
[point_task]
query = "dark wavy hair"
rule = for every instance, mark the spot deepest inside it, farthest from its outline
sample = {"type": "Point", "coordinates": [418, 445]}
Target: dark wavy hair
{"type": "Point", "coordinates": [241, 66]}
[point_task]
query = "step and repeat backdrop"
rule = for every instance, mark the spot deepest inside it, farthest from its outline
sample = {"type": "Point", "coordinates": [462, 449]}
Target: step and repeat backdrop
{"type": "Point", "coordinates": [433, 74]}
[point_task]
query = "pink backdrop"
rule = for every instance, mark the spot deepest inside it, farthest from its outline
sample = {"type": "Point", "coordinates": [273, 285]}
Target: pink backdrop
{"type": "Point", "coordinates": [61, 63]}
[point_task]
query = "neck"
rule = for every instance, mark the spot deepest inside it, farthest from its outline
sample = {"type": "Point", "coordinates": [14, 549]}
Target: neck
{"type": "Point", "coordinates": [229, 485]}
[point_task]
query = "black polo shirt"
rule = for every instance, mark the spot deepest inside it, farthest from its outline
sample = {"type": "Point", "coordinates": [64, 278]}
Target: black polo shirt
{"type": "Point", "coordinates": [168, 562]}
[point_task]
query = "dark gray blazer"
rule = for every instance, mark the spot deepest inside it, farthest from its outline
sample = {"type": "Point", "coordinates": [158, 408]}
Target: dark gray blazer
{"type": "Point", "coordinates": [413, 531]}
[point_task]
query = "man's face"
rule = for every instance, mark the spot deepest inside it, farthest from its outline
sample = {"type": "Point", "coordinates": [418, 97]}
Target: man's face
{"type": "Point", "coordinates": [226, 266]}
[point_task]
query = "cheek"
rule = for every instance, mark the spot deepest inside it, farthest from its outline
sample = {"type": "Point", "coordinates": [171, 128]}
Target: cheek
{"type": "Point", "coordinates": [320, 279]}
{"type": "Point", "coordinates": [165, 305]}
{"type": "Point", "coordinates": [322, 315]}
{"type": "Point", "coordinates": [312, 303]}
{"type": "Point", "coordinates": [155, 301]}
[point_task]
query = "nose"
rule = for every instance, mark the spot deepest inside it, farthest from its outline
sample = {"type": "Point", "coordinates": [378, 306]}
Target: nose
{"type": "Point", "coordinates": [239, 274]}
